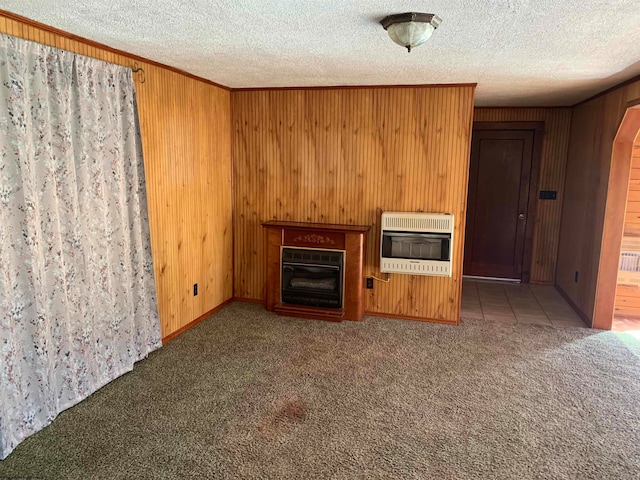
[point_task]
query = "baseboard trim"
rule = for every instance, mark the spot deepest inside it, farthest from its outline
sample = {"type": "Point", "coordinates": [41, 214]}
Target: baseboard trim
{"type": "Point", "coordinates": [173, 335]}
{"type": "Point", "coordinates": [413, 319]}
{"type": "Point", "coordinates": [249, 300]}
{"type": "Point", "coordinates": [575, 307]}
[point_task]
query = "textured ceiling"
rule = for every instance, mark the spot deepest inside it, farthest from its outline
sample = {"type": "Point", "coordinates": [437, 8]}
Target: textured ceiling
{"type": "Point", "coordinates": [519, 52]}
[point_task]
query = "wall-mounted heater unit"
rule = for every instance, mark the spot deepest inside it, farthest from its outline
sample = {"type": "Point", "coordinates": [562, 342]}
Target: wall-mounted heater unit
{"type": "Point", "coordinates": [416, 243]}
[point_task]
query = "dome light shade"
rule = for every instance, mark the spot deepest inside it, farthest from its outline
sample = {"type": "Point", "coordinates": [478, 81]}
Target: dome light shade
{"type": "Point", "coordinates": [410, 29]}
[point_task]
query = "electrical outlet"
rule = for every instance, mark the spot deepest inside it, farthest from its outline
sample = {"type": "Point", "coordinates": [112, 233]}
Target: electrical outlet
{"type": "Point", "coordinates": [195, 289]}
{"type": "Point", "coordinates": [575, 277]}
{"type": "Point", "coordinates": [369, 282]}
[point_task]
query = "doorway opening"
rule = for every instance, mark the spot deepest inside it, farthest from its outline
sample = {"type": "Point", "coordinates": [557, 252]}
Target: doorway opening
{"type": "Point", "coordinates": [501, 201]}
{"type": "Point", "coordinates": [617, 301]}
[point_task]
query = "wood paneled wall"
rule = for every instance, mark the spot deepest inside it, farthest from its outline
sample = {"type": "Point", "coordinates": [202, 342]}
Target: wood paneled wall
{"type": "Point", "coordinates": [186, 138]}
{"type": "Point", "coordinates": [345, 156]}
{"type": "Point", "coordinates": [627, 303]}
{"type": "Point", "coordinates": [555, 144]}
{"type": "Point", "coordinates": [593, 129]}
{"type": "Point", "coordinates": [632, 216]}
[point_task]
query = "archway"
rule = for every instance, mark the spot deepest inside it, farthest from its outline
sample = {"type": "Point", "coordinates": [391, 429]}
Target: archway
{"type": "Point", "coordinates": [615, 216]}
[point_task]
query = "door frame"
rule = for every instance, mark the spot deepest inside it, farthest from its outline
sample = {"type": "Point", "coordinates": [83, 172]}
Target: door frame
{"type": "Point", "coordinates": [615, 210]}
{"type": "Point", "coordinates": [536, 156]}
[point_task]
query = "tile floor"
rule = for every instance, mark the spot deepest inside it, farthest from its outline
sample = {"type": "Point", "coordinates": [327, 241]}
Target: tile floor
{"type": "Point", "coordinates": [516, 303]}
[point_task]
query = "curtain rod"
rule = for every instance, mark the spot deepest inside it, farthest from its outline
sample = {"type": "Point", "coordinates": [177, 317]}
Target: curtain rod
{"type": "Point", "coordinates": [136, 69]}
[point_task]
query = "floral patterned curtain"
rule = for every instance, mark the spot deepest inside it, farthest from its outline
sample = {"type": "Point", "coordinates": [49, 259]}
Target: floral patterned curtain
{"type": "Point", "coordinates": [77, 293]}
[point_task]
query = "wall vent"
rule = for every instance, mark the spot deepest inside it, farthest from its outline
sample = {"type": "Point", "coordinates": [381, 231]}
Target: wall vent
{"type": "Point", "coordinates": [425, 267]}
{"type": "Point", "coordinates": [629, 261]}
{"type": "Point", "coordinates": [417, 222]}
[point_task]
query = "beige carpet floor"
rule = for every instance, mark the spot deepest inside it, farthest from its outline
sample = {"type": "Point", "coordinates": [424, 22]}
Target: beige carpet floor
{"type": "Point", "coordinates": [247, 394]}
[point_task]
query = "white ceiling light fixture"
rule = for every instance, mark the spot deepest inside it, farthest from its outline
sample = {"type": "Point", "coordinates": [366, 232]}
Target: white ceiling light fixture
{"type": "Point", "coordinates": [410, 29]}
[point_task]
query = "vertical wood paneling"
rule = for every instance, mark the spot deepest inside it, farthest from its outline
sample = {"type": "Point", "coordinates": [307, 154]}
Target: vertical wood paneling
{"type": "Point", "coordinates": [344, 156]}
{"type": "Point", "coordinates": [185, 126]}
{"type": "Point", "coordinates": [593, 130]}
{"type": "Point", "coordinates": [552, 170]}
{"type": "Point", "coordinates": [627, 302]}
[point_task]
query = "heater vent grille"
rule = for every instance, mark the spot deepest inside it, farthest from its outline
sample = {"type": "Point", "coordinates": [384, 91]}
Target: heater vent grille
{"type": "Point", "coordinates": [630, 261]}
{"type": "Point", "coordinates": [417, 222]}
{"type": "Point", "coordinates": [424, 267]}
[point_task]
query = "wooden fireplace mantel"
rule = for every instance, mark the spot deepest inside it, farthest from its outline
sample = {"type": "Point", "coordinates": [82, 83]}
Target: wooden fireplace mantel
{"type": "Point", "coordinates": [347, 238]}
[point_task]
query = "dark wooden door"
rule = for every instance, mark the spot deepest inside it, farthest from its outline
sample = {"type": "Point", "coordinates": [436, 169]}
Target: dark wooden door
{"type": "Point", "coordinates": [497, 206]}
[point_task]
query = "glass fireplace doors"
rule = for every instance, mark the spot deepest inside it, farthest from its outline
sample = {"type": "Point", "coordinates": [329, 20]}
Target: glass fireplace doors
{"type": "Point", "coordinates": [312, 277]}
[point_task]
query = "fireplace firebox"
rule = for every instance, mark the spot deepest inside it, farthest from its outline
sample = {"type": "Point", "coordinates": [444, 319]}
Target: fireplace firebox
{"type": "Point", "coordinates": [315, 270]}
{"type": "Point", "coordinates": [312, 277]}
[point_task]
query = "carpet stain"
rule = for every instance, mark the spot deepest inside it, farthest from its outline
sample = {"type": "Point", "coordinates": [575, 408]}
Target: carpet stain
{"type": "Point", "coordinates": [293, 412]}
{"type": "Point", "coordinates": [284, 418]}
{"type": "Point", "coordinates": [280, 398]}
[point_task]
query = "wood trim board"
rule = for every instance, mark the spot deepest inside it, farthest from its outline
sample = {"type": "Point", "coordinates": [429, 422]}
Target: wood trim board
{"type": "Point", "coordinates": [536, 156]}
{"type": "Point", "coordinates": [189, 325]}
{"type": "Point", "coordinates": [57, 31]}
{"type": "Point", "coordinates": [614, 218]}
{"type": "Point", "coordinates": [585, 318]}
{"type": "Point", "coordinates": [102, 46]}
{"type": "Point", "coordinates": [555, 145]}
